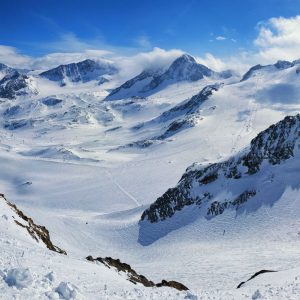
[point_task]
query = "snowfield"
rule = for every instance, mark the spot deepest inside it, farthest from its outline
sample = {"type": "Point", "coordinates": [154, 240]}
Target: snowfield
{"type": "Point", "coordinates": [86, 166]}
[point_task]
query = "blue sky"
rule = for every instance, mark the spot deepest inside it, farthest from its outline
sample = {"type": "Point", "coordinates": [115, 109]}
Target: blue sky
{"type": "Point", "coordinates": [220, 27]}
{"type": "Point", "coordinates": [137, 34]}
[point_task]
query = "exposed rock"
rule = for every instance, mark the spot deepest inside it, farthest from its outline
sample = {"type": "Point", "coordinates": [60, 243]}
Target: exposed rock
{"type": "Point", "coordinates": [133, 276]}
{"type": "Point", "coordinates": [37, 232]}
{"type": "Point", "coordinates": [16, 124]}
{"type": "Point", "coordinates": [173, 284]}
{"type": "Point", "coordinates": [253, 276]}
{"type": "Point", "coordinates": [51, 101]}
{"type": "Point", "coordinates": [16, 84]}
{"type": "Point", "coordinates": [12, 111]}
{"type": "Point", "coordinates": [283, 64]}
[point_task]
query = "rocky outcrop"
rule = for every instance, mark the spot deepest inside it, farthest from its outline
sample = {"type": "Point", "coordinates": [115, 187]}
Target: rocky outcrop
{"type": "Point", "coordinates": [51, 101]}
{"type": "Point", "coordinates": [255, 275]}
{"type": "Point", "coordinates": [192, 105]}
{"type": "Point", "coordinates": [37, 232]}
{"type": "Point", "coordinates": [16, 84]}
{"type": "Point", "coordinates": [199, 185]}
{"type": "Point", "coordinates": [133, 276]}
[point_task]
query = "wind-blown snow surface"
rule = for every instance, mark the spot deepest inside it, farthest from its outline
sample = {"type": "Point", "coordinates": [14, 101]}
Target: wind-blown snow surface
{"type": "Point", "coordinates": [68, 165]}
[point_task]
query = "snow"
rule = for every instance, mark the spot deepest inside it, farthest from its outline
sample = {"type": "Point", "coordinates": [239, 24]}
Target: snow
{"type": "Point", "coordinates": [91, 198]}
{"type": "Point", "coordinates": [67, 291]}
{"type": "Point", "coordinates": [18, 277]}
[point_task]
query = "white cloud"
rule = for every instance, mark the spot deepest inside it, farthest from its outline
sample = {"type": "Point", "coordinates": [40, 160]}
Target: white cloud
{"type": "Point", "coordinates": [220, 38]}
{"type": "Point", "coordinates": [278, 38]}
{"type": "Point", "coordinates": [212, 62]}
{"type": "Point", "coordinates": [157, 58]}
{"type": "Point", "coordinates": [11, 57]}
{"type": "Point", "coordinates": [54, 59]}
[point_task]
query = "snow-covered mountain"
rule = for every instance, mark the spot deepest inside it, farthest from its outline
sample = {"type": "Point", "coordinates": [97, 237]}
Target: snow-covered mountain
{"type": "Point", "coordinates": [182, 116]}
{"type": "Point", "coordinates": [255, 177]}
{"type": "Point", "coordinates": [82, 71]}
{"type": "Point", "coordinates": [184, 68]}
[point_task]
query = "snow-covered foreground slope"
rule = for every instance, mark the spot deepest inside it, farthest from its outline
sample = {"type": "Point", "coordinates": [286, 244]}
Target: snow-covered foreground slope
{"type": "Point", "coordinates": [67, 160]}
{"type": "Point", "coordinates": [30, 271]}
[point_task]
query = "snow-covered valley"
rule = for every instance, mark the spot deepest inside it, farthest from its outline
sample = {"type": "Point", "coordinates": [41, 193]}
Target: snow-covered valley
{"type": "Point", "coordinates": [85, 162]}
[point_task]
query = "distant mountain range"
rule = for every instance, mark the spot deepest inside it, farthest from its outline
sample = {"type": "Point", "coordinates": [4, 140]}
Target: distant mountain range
{"type": "Point", "coordinates": [83, 71]}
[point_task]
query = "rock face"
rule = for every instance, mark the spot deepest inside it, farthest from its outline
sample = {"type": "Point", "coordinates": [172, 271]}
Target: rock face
{"type": "Point", "coordinates": [192, 105]}
{"type": "Point", "coordinates": [37, 232]}
{"type": "Point", "coordinates": [133, 276]}
{"type": "Point", "coordinates": [200, 185]}
{"type": "Point", "coordinates": [51, 101]}
{"type": "Point", "coordinates": [184, 68]}
{"type": "Point", "coordinates": [83, 71]}
{"type": "Point", "coordinates": [16, 84]}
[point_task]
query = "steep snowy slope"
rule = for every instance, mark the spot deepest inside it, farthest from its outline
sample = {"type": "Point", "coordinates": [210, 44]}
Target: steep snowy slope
{"type": "Point", "coordinates": [258, 177]}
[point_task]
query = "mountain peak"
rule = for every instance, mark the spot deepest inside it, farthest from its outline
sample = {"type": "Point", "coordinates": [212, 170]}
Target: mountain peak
{"type": "Point", "coordinates": [185, 58]}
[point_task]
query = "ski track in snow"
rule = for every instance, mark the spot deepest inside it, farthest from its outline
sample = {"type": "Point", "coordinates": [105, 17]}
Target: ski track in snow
{"type": "Point", "coordinates": [122, 189]}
